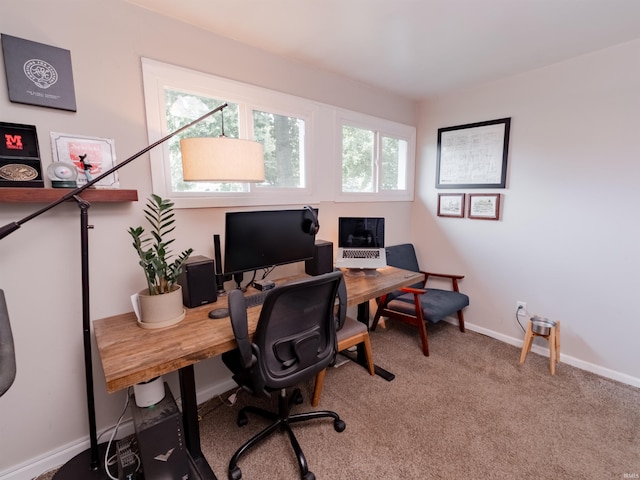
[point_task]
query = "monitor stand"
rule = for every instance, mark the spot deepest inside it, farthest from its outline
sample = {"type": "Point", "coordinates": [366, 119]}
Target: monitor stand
{"type": "Point", "coordinates": [361, 272]}
{"type": "Point", "coordinates": [219, 313]}
{"type": "Point", "coordinates": [238, 278]}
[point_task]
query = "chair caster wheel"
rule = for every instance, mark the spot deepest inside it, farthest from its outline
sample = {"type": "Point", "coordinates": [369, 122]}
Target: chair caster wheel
{"type": "Point", "coordinates": [235, 474]}
{"type": "Point", "coordinates": [297, 397]}
{"type": "Point", "coordinates": [242, 420]}
{"type": "Point", "coordinates": [339, 425]}
{"type": "Point", "coordinates": [309, 476]}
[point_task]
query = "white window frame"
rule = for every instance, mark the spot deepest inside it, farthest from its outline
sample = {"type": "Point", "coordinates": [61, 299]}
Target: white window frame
{"type": "Point", "coordinates": [158, 77]}
{"type": "Point", "coordinates": [322, 143]}
{"type": "Point", "coordinates": [385, 128]}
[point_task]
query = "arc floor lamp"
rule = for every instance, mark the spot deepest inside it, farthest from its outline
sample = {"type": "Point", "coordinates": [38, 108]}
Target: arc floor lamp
{"type": "Point", "coordinates": [204, 159]}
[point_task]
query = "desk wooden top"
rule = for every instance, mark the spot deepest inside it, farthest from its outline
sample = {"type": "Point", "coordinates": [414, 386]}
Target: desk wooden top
{"type": "Point", "coordinates": [131, 354]}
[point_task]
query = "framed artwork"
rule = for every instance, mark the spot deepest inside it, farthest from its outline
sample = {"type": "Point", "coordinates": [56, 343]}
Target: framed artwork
{"type": "Point", "coordinates": [92, 156]}
{"type": "Point", "coordinates": [484, 206]}
{"type": "Point", "coordinates": [19, 156]}
{"type": "Point", "coordinates": [38, 74]}
{"type": "Point", "coordinates": [451, 205]}
{"type": "Point", "coordinates": [473, 155]}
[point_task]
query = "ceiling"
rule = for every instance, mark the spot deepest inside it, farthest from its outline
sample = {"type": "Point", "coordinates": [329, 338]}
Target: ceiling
{"type": "Point", "coordinates": [416, 48]}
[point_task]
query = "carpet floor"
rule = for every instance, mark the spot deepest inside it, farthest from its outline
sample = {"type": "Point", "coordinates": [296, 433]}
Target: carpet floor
{"type": "Point", "coordinates": [469, 410]}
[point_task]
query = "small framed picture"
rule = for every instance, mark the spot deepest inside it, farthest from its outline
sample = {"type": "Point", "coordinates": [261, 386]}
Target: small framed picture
{"type": "Point", "coordinates": [451, 205]}
{"type": "Point", "coordinates": [484, 206]}
{"type": "Point", "coordinates": [92, 156]}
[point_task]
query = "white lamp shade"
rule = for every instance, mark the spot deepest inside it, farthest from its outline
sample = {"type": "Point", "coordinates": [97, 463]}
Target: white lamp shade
{"type": "Point", "coordinates": [221, 159]}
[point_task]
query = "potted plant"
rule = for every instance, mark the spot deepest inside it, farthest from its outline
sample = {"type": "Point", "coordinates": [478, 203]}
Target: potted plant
{"type": "Point", "coordinates": [160, 304]}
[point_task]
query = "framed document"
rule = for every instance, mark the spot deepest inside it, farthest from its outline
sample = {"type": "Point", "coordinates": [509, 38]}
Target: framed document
{"type": "Point", "coordinates": [484, 206]}
{"type": "Point", "coordinates": [473, 155]}
{"type": "Point", "coordinates": [451, 205]}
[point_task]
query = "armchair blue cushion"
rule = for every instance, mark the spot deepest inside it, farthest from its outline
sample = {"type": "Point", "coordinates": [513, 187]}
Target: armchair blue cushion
{"type": "Point", "coordinates": [417, 304]}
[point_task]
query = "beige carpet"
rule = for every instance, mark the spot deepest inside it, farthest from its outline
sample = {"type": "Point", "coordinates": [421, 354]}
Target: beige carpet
{"type": "Point", "coordinates": [467, 411]}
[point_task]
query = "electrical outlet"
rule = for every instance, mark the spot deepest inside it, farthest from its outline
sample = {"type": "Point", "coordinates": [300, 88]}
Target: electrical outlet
{"type": "Point", "coordinates": [521, 308]}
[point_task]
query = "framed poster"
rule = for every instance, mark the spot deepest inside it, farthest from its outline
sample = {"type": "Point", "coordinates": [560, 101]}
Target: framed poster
{"type": "Point", "coordinates": [38, 74]}
{"type": "Point", "coordinates": [484, 206]}
{"type": "Point", "coordinates": [92, 156]}
{"type": "Point", "coordinates": [451, 205]}
{"type": "Point", "coordinates": [473, 155]}
{"type": "Point", "coordinates": [19, 156]}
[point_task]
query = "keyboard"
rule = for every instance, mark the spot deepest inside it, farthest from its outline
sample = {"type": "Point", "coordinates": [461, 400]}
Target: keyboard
{"type": "Point", "coordinates": [255, 299]}
{"type": "Point", "coordinates": [367, 253]}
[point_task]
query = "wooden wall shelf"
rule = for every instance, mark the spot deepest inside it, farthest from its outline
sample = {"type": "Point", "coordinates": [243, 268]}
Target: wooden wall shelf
{"type": "Point", "coordinates": [48, 195]}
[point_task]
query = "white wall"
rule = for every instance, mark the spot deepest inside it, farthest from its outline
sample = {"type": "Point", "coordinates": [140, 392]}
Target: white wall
{"type": "Point", "coordinates": [567, 242]}
{"type": "Point", "coordinates": [43, 416]}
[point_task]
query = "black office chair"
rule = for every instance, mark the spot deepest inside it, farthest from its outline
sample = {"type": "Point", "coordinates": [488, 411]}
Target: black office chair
{"type": "Point", "coordinates": [7, 351]}
{"type": "Point", "coordinates": [294, 340]}
{"type": "Point", "coordinates": [417, 304]}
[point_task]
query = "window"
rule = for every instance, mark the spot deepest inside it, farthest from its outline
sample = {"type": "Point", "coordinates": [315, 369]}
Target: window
{"type": "Point", "coordinates": [376, 158]}
{"type": "Point", "coordinates": [297, 134]}
{"type": "Point", "coordinates": [282, 138]}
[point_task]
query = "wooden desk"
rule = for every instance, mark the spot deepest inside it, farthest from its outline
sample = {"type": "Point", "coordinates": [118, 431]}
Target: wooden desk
{"type": "Point", "coordinates": [131, 354]}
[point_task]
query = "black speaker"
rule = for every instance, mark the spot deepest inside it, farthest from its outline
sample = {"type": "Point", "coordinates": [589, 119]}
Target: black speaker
{"type": "Point", "coordinates": [198, 280]}
{"type": "Point", "coordinates": [322, 261]}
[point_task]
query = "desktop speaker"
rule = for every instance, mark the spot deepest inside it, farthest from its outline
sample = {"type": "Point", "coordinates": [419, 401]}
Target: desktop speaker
{"type": "Point", "coordinates": [198, 281]}
{"type": "Point", "coordinates": [322, 261]}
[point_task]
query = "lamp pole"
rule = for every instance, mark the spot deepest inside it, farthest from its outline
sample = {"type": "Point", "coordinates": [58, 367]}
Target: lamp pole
{"type": "Point", "coordinates": [87, 465]}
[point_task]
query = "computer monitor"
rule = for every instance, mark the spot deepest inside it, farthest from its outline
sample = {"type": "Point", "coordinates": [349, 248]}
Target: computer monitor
{"type": "Point", "coordinates": [264, 239]}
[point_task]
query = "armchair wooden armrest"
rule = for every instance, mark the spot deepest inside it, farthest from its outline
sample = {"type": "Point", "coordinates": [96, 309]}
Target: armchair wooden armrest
{"type": "Point", "coordinates": [415, 291]}
{"type": "Point", "coordinates": [454, 278]}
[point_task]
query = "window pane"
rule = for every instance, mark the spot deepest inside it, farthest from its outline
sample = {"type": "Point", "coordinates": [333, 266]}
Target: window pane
{"type": "Point", "coordinates": [394, 161]}
{"type": "Point", "coordinates": [283, 141]}
{"type": "Point", "coordinates": [357, 160]}
{"type": "Point", "coordinates": [182, 108]}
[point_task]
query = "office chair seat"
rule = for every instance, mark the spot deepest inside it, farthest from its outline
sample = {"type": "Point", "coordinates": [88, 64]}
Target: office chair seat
{"type": "Point", "coordinates": [351, 334]}
{"type": "Point", "coordinates": [295, 339]}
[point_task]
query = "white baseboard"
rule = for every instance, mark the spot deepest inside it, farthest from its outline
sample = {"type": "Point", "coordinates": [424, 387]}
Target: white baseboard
{"type": "Point", "coordinates": [576, 362]}
{"type": "Point", "coordinates": [53, 459]}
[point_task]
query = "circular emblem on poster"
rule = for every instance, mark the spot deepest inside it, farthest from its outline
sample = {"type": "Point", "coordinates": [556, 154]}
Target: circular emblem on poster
{"type": "Point", "coordinates": [40, 72]}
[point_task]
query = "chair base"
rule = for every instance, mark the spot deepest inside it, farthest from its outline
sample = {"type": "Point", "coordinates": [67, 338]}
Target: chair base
{"type": "Point", "coordinates": [281, 422]}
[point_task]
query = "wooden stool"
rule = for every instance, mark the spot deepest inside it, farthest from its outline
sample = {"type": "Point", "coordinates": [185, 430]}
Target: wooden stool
{"type": "Point", "coordinates": [553, 337]}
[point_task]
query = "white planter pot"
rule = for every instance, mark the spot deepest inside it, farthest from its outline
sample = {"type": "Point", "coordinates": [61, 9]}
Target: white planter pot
{"type": "Point", "coordinates": [159, 311]}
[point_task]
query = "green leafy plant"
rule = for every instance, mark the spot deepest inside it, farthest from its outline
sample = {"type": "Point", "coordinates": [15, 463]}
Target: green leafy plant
{"type": "Point", "coordinates": [155, 257]}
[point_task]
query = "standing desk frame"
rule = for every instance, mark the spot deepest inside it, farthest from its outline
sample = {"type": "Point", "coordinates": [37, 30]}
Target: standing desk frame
{"type": "Point", "coordinates": [131, 354]}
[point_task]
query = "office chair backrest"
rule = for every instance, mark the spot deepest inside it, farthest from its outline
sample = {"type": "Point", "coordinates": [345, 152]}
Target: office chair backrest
{"type": "Point", "coordinates": [7, 351]}
{"type": "Point", "coordinates": [295, 337]}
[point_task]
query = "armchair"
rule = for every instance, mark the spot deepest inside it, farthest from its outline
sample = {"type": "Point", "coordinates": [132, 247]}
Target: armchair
{"type": "Point", "coordinates": [417, 304]}
{"type": "Point", "coordinates": [295, 339]}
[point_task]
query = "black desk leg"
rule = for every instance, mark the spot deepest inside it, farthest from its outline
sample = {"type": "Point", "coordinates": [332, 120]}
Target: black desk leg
{"type": "Point", "coordinates": [363, 316]}
{"type": "Point", "coordinates": [191, 426]}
